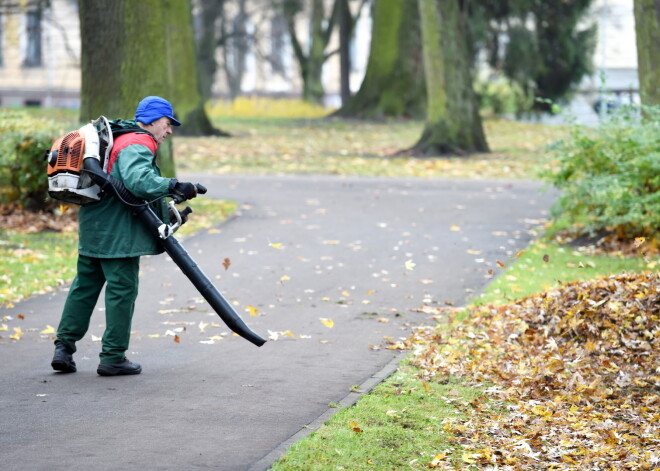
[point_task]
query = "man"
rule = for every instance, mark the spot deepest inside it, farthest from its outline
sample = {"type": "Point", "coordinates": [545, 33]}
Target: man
{"type": "Point", "coordinates": [111, 241]}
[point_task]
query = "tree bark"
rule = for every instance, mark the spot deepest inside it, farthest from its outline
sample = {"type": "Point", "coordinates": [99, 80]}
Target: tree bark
{"type": "Point", "coordinates": [207, 42]}
{"type": "Point", "coordinates": [148, 50]}
{"type": "Point", "coordinates": [453, 123]}
{"type": "Point", "coordinates": [345, 30]}
{"type": "Point", "coordinates": [393, 85]}
{"type": "Point", "coordinates": [647, 29]}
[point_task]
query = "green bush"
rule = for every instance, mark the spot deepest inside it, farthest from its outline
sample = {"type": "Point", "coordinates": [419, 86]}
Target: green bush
{"type": "Point", "coordinates": [610, 176]}
{"type": "Point", "coordinates": [23, 142]}
{"type": "Point", "coordinates": [500, 96]}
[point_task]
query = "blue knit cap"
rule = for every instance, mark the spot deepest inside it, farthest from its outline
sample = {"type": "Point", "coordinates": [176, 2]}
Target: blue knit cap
{"type": "Point", "coordinates": [152, 108]}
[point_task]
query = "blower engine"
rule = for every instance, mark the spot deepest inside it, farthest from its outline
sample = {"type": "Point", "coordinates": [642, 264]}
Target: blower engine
{"type": "Point", "coordinates": [66, 180]}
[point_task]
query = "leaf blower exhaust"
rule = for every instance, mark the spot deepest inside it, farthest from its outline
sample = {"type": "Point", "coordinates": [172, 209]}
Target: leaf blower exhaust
{"type": "Point", "coordinates": [96, 140]}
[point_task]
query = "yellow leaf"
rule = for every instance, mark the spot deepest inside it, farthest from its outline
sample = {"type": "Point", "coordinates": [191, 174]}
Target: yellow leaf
{"type": "Point", "coordinates": [252, 310]}
{"type": "Point", "coordinates": [454, 228]}
{"type": "Point", "coordinates": [216, 337]}
{"type": "Point", "coordinates": [410, 265]}
{"type": "Point", "coordinates": [49, 330]}
{"type": "Point", "coordinates": [329, 323]}
{"type": "Point", "coordinates": [17, 334]}
{"type": "Point", "coordinates": [427, 386]}
{"type": "Point", "coordinates": [285, 278]}
{"type": "Point", "coordinates": [345, 293]}
{"type": "Point", "coordinates": [154, 336]}
{"type": "Point", "coordinates": [289, 333]}
{"type": "Point", "coordinates": [276, 246]}
{"type": "Point", "coordinates": [213, 231]}
{"type": "Point", "coordinates": [4, 328]}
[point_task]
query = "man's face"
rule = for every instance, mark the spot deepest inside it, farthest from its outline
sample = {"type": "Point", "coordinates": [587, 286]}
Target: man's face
{"type": "Point", "coordinates": [161, 128]}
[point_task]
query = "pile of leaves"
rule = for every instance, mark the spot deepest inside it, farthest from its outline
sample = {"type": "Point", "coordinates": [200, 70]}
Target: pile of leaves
{"type": "Point", "coordinates": [573, 376]}
{"type": "Point", "coordinates": [16, 218]}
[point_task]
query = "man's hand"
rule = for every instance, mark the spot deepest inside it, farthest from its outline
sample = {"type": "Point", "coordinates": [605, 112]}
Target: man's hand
{"type": "Point", "coordinates": [186, 190]}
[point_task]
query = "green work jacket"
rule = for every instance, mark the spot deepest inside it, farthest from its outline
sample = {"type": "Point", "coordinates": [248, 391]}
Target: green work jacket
{"type": "Point", "coordinates": [108, 228]}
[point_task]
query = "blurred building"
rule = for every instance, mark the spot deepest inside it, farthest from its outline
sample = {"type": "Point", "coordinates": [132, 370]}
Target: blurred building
{"type": "Point", "coordinates": [40, 56]}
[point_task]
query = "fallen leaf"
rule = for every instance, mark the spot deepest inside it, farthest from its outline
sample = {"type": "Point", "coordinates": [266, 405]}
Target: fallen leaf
{"type": "Point", "coordinates": [226, 263]}
{"type": "Point", "coordinates": [21, 317]}
{"type": "Point", "coordinates": [18, 333]}
{"type": "Point", "coordinates": [500, 264]}
{"type": "Point", "coordinates": [329, 323]}
{"type": "Point", "coordinates": [252, 310]}
{"type": "Point", "coordinates": [177, 339]}
{"type": "Point", "coordinates": [454, 228]}
{"type": "Point", "coordinates": [49, 330]}
{"type": "Point", "coordinates": [546, 258]}
{"type": "Point", "coordinates": [519, 254]}
{"type": "Point", "coordinates": [276, 246]}
{"type": "Point", "coordinates": [285, 278]}
{"type": "Point", "coordinates": [410, 265]}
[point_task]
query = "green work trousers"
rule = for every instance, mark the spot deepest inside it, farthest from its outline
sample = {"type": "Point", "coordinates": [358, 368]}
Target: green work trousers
{"type": "Point", "coordinates": [120, 277]}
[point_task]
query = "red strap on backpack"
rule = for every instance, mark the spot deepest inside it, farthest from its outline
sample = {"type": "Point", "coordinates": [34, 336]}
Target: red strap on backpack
{"type": "Point", "coordinates": [125, 140]}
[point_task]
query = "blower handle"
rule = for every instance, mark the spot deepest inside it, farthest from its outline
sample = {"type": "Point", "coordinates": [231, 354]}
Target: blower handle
{"type": "Point", "coordinates": [201, 189]}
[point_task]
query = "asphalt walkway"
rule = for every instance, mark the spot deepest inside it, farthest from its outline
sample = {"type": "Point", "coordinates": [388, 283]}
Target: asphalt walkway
{"type": "Point", "coordinates": [332, 269]}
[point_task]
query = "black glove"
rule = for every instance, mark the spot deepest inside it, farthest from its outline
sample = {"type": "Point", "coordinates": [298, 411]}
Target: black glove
{"type": "Point", "coordinates": [186, 190]}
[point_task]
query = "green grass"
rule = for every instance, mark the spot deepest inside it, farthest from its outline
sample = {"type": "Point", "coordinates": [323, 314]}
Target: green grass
{"type": "Point", "coordinates": [399, 425]}
{"type": "Point", "coordinates": [546, 264]}
{"type": "Point", "coordinates": [35, 263]}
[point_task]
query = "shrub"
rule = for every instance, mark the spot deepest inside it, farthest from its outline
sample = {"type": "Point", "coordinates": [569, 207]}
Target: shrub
{"type": "Point", "coordinates": [610, 177]}
{"type": "Point", "coordinates": [500, 96]}
{"type": "Point", "coordinates": [23, 142]}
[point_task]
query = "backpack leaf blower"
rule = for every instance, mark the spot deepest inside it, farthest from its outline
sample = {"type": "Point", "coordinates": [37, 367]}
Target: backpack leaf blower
{"type": "Point", "coordinates": [75, 168]}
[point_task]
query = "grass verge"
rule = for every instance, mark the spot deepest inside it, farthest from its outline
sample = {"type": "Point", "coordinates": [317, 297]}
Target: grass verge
{"type": "Point", "coordinates": [398, 425]}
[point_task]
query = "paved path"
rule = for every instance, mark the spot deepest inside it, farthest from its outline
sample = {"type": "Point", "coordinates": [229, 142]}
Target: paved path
{"type": "Point", "coordinates": [301, 249]}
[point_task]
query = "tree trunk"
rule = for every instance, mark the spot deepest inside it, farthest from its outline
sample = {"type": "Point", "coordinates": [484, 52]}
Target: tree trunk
{"type": "Point", "coordinates": [647, 29]}
{"type": "Point", "coordinates": [453, 123]}
{"type": "Point", "coordinates": [311, 64]}
{"type": "Point", "coordinates": [183, 72]}
{"type": "Point", "coordinates": [149, 50]}
{"type": "Point", "coordinates": [207, 42]}
{"type": "Point", "coordinates": [345, 30]}
{"type": "Point", "coordinates": [393, 85]}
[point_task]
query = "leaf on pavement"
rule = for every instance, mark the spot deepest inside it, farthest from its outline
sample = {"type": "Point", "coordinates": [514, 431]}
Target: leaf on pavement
{"type": "Point", "coordinates": [329, 323]}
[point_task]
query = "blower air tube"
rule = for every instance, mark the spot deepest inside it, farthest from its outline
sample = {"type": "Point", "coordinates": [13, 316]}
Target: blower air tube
{"type": "Point", "coordinates": [180, 256]}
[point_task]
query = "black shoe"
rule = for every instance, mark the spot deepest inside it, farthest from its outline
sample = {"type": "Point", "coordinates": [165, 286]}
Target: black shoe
{"type": "Point", "coordinates": [115, 369]}
{"type": "Point", "coordinates": [63, 359]}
